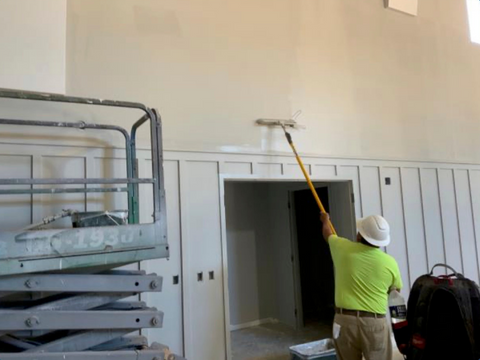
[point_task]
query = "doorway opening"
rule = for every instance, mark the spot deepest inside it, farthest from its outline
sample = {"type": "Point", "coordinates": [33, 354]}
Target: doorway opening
{"type": "Point", "coordinates": [314, 260]}
{"type": "Point", "coordinates": [280, 272]}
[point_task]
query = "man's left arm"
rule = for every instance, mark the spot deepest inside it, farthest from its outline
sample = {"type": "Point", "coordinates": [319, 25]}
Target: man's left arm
{"type": "Point", "coordinates": [397, 279]}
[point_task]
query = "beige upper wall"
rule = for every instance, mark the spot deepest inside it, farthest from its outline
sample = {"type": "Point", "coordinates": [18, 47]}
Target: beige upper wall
{"type": "Point", "coordinates": [32, 45]}
{"type": "Point", "coordinates": [371, 82]}
{"type": "Point", "coordinates": [32, 57]}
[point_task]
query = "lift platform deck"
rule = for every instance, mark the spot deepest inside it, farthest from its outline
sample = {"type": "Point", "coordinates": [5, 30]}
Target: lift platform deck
{"type": "Point", "coordinates": [62, 295]}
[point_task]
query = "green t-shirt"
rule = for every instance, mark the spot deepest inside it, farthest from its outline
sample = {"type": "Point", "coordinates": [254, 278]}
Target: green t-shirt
{"type": "Point", "coordinates": [363, 275]}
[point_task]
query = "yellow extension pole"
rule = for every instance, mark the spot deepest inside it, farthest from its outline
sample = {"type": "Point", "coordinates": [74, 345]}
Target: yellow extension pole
{"type": "Point", "coordinates": [307, 177]}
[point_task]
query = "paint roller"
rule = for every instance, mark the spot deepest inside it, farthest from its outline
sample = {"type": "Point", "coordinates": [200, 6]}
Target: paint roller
{"type": "Point", "coordinates": [292, 124]}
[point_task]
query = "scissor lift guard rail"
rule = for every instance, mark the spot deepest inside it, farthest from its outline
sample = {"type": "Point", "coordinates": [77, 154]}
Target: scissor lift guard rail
{"type": "Point", "coordinates": [60, 294]}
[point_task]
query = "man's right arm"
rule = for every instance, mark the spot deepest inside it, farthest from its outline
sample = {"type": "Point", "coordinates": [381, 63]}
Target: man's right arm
{"type": "Point", "coordinates": [326, 228]}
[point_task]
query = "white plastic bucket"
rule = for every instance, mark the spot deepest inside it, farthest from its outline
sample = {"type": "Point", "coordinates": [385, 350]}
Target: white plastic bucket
{"type": "Point", "coordinates": [321, 349]}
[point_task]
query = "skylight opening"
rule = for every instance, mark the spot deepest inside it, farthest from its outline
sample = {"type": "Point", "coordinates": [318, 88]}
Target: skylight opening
{"type": "Point", "coordinates": [473, 8]}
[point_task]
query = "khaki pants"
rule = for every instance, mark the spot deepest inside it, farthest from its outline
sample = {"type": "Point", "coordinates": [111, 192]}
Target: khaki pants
{"type": "Point", "coordinates": [357, 336]}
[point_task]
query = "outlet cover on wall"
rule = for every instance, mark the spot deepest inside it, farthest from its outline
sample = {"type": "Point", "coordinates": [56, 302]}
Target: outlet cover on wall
{"type": "Point", "coordinates": [406, 6]}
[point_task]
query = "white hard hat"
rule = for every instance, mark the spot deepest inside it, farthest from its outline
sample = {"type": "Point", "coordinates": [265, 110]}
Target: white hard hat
{"type": "Point", "coordinates": [375, 230]}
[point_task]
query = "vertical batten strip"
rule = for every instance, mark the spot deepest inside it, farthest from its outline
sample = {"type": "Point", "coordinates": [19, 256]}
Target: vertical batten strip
{"type": "Point", "coordinates": [187, 326]}
{"type": "Point", "coordinates": [441, 215]}
{"type": "Point", "coordinates": [409, 271]}
{"type": "Point", "coordinates": [420, 176]}
{"type": "Point", "coordinates": [473, 219]}
{"type": "Point", "coordinates": [458, 220]}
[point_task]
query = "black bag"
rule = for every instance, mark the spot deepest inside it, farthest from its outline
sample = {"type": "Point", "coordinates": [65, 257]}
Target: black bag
{"type": "Point", "coordinates": [443, 318]}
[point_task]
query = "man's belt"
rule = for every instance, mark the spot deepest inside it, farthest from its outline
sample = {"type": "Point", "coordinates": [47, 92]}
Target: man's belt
{"type": "Point", "coordinates": [358, 313]}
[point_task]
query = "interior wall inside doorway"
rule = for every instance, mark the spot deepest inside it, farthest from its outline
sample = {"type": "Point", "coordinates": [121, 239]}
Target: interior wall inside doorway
{"type": "Point", "coordinates": [259, 247]}
{"type": "Point", "coordinates": [252, 254]}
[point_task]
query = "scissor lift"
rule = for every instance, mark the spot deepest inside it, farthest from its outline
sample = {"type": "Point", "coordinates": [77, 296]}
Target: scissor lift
{"type": "Point", "coordinates": [62, 295]}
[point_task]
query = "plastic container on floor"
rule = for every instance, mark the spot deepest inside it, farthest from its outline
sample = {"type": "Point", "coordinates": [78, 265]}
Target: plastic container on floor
{"type": "Point", "coordinates": [322, 349]}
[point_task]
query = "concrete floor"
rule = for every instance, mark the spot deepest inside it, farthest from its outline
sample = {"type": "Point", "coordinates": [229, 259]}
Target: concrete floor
{"type": "Point", "coordinates": [272, 341]}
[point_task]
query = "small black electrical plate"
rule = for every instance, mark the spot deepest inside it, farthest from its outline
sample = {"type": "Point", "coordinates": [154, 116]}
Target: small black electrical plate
{"type": "Point", "coordinates": [388, 181]}
{"type": "Point", "coordinates": [200, 276]}
{"type": "Point", "coordinates": [211, 275]}
{"type": "Point", "coordinates": [176, 279]}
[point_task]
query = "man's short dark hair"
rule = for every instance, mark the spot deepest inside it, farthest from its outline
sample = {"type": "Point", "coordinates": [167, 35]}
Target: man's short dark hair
{"type": "Point", "coordinates": [365, 242]}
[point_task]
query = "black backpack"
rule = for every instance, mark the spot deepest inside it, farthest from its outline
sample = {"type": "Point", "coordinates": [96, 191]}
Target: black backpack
{"type": "Point", "coordinates": [443, 319]}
